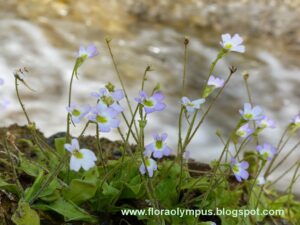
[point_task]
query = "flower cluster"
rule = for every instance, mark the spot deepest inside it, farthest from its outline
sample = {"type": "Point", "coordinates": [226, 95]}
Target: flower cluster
{"type": "Point", "coordinates": [249, 113]}
{"type": "Point", "coordinates": [158, 149]}
{"type": "Point", "coordinates": [104, 113]}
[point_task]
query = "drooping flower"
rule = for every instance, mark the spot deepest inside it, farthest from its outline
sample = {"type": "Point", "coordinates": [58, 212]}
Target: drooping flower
{"type": "Point", "coordinates": [233, 44]}
{"type": "Point", "coordinates": [266, 150]}
{"type": "Point", "coordinates": [106, 117]}
{"type": "Point", "coordinates": [265, 122]}
{"type": "Point", "coordinates": [249, 113]}
{"type": "Point", "coordinates": [78, 112]}
{"type": "Point", "coordinates": [159, 147]}
{"type": "Point", "coordinates": [111, 99]}
{"type": "Point", "coordinates": [150, 165]}
{"type": "Point", "coordinates": [244, 131]}
{"type": "Point", "coordinates": [215, 82]}
{"type": "Point", "coordinates": [192, 106]}
{"type": "Point", "coordinates": [153, 103]}
{"type": "Point", "coordinates": [84, 158]}
{"type": "Point", "coordinates": [89, 52]}
{"type": "Point", "coordinates": [240, 169]}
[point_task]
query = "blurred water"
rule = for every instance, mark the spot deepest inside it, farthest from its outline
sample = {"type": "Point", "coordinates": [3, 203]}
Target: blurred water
{"type": "Point", "coordinates": [47, 47]}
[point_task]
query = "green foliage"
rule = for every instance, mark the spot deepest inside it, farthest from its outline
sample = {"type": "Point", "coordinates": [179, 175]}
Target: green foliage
{"type": "Point", "coordinates": [69, 210]}
{"type": "Point", "coordinates": [24, 215]}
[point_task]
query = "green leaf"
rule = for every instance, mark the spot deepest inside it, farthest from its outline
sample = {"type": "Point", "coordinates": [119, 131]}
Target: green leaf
{"type": "Point", "coordinates": [31, 192]}
{"type": "Point", "coordinates": [133, 188]}
{"type": "Point", "coordinates": [59, 145]}
{"type": "Point", "coordinates": [68, 210]}
{"type": "Point", "coordinates": [29, 168]}
{"type": "Point", "coordinates": [24, 215]}
{"type": "Point", "coordinates": [13, 188]}
{"type": "Point", "coordinates": [80, 191]}
{"type": "Point", "coordinates": [200, 183]}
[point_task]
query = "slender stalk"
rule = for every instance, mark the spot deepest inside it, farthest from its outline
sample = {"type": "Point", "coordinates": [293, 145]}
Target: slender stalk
{"type": "Point", "coordinates": [20, 101]}
{"type": "Point", "coordinates": [99, 148]}
{"type": "Point", "coordinates": [188, 139]}
{"type": "Point", "coordinates": [186, 42]}
{"type": "Point", "coordinates": [285, 157]}
{"type": "Point", "coordinates": [74, 73]}
{"type": "Point", "coordinates": [290, 188]}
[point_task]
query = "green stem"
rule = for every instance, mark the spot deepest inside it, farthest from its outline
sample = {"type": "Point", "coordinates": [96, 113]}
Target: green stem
{"type": "Point", "coordinates": [74, 72]}
{"type": "Point", "coordinates": [186, 42]}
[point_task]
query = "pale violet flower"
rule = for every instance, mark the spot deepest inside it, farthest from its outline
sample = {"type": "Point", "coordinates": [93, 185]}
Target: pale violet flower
{"type": "Point", "coordinates": [192, 106]}
{"type": "Point", "coordinates": [296, 120]}
{"type": "Point", "coordinates": [105, 117]}
{"type": "Point", "coordinates": [261, 180]}
{"type": "Point", "coordinates": [4, 103]}
{"type": "Point", "coordinates": [249, 113]}
{"type": "Point", "coordinates": [111, 99]}
{"type": "Point", "coordinates": [159, 147]}
{"type": "Point", "coordinates": [266, 150]}
{"type": "Point", "coordinates": [244, 131]}
{"type": "Point", "coordinates": [233, 44]}
{"type": "Point", "coordinates": [265, 122]}
{"type": "Point", "coordinates": [1, 81]}
{"type": "Point", "coordinates": [78, 112]}
{"type": "Point", "coordinates": [240, 169]}
{"type": "Point", "coordinates": [153, 103]}
{"type": "Point", "coordinates": [80, 157]}
{"type": "Point", "coordinates": [215, 82]}
{"type": "Point", "coordinates": [89, 52]}
{"type": "Point", "coordinates": [151, 166]}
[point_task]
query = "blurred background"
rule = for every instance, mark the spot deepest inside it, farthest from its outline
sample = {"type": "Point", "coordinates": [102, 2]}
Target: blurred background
{"type": "Point", "coordinates": [44, 35]}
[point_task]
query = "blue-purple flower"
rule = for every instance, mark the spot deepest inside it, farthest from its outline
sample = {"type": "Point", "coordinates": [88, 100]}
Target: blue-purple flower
{"type": "Point", "coordinates": [159, 148]}
{"type": "Point", "coordinates": [153, 103]}
{"type": "Point", "coordinates": [249, 113]}
{"type": "Point", "coordinates": [192, 106]}
{"type": "Point", "coordinates": [244, 131]}
{"type": "Point", "coordinates": [215, 82]}
{"type": "Point", "coordinates": [110, 98]}
{"type": "Point", "coordinates": [240, 169]}
{"type": "Point", "coordinates": [89, 52]}
{"type": "Point", "coordinates": [105, 117]}
{"type": "Point", "coordinates": [266, 122]}
{"type": "Point", "coordinates": [233, 44]}
{"type": "Point", "coordinates": [266, 150]}
{"type": "Point", "coordinates": [78, 112]}
{"type": "Point", "coordinates": [80, 157]}
{"type": "Point", "coordinates": [151, 166]}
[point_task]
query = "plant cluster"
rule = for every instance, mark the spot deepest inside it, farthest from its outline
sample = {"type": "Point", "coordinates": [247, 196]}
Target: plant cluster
{"type": "Point", "coordinates": [71, 184]}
